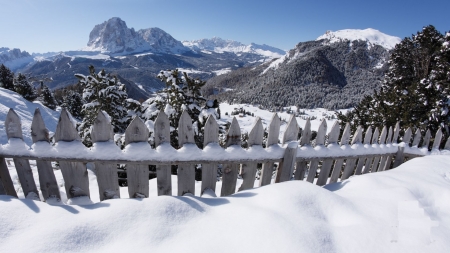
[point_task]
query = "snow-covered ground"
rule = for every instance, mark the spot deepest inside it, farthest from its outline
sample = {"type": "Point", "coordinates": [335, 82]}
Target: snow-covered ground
{"type": "Point", "coordinates": [402, 210]}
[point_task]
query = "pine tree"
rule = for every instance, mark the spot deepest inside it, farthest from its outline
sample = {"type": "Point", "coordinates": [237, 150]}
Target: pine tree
{"type": "Point", "coordinates": [6, 78]}
{"type": "Point", "coordinates": [47, 97]}
{"type": "Point", "coordinates": [102, 92]}
{"type": "Point", "coordinates": [73, 102]}
{"type": "Point", "coordinates": [24, 88]}
{"type": "Point", "coordinates": [416, 86]}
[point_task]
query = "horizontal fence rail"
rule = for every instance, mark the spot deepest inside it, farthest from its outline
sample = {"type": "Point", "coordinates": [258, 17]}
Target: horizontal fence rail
{"type": "Point", "coordinates": [326, 159]}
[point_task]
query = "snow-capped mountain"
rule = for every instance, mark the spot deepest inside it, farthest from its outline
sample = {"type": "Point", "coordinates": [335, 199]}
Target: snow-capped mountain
{"type": "Point", "coordinates": [372, 36]}
{"type": "Point", "coordinates": [219, 45]}
{"type": "Point", "coordinates": [114, 37]}
{"type": "Point", "coordinates": [14, 58]}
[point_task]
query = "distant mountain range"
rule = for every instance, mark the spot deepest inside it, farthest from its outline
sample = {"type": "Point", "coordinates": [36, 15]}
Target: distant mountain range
{"type": "Point", "coordinates": [139, 56]}
{"type": "Point", "coordinates": [314, 73]}
{"type": "Point", "coordinates": [335, 71]}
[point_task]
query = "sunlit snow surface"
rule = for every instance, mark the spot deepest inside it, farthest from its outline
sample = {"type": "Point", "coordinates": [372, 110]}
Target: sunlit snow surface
{"type": "Point", "coordinates": [402, 210]}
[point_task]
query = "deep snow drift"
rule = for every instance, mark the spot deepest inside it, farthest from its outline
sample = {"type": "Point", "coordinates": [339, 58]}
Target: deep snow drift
{"type": "Point", "coordinates": [402, 210]}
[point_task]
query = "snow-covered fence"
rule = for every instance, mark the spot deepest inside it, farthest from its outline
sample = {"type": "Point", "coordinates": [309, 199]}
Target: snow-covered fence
{"type": "Point", "coordinates": [324, 160]}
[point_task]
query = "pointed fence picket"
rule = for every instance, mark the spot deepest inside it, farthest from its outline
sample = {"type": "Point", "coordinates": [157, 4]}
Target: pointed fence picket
{"type": "Point", "coordinates": [375, 153]}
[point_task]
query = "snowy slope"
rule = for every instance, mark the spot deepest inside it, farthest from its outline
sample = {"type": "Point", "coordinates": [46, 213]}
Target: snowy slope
{"type": "Point", "coordinates": [25, 110]}
{"type": "Point", "coordinates": [219, 45]}
{"type": "Point", "coordinates": [402, 210]}
{"type": "Point", "coordinates": [374, 37]}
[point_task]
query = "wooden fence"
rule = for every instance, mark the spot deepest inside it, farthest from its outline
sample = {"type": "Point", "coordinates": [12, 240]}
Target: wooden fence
{"type": "Point", "coordinates": [322, 161]}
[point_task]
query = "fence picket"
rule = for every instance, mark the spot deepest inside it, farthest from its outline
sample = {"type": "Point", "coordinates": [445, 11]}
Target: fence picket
{"type": "Point", "coordinates": [163, 172]}
{"type": "Point", "coordinates": [333, 137]}
{"type": "Point", "coordinates": [437, 139]}
{"type": "Point", "coordinates": [186, 172]}
{"type": "Point", "coordinates": [362, 160]}
{"type": "Point", "coordinates": [393, 140]}
{"type": "Point", "coordinates": [137, 174]}
{"type": "Point", "coordinates": [13, 128]}
{"type": "Point", "coordinates": [320, 141]}
{"type": "Point", "coordinates": [417, 138]}
{"type": "Point", "coordinates": [5, 178]}
{"type": "Point", "coordinates": [209, 171]}
{"type": "Point", "coordinates": [350, 163]}
{"type": "Point", "coordinates": [407, 137]}
{"type": "Point", "coordinates": [74, 173]}
{"type": "Point", "coordinates": [285, 168]}
{"type": "Point", "coordinates": [248, 170]}
{"type": "Point", "coordinates": [106, 173]}
{"type": "Point", "coordinates": [385, 158]}
{"type": "Point", "coordinates": [304, 140]}
{"type": "Point", "coordinates": [272, 139]}
{"type": "Point", "coordinates": [230, 170]}
{"type": "Point", "coordinates": [447, 144]}
{"type": "Point", "coordinates": [378, 161]}
{"type": "Point", "coordinates": [338, 163]}
{"type": "Point", "coordinates": [47, 180]}
{"type": "Point", "coordinates": [426, 139]}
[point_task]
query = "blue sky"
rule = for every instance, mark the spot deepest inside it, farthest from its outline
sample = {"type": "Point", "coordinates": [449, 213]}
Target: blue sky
{"type": "Point", "coordinates": [60, 25]}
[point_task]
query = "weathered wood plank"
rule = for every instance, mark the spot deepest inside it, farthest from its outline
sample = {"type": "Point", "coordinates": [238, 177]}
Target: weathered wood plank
{"type": "Point", "coordinates": [163, 172]}
{"type": "Point", "coordinates": [447, 144]}
{"type": "Point", "coordinates": [417, 138]}
{"type": "Point", "coordinates": [284, 172]}
{"type": "Point", "coordinates": [326, 166]}
{"type": "Point", "coordinates": [362, 160]}
{"type": "Point", "coordinates": [393, 140]}
{"type": "Point", "coordinates": [272, 139]}
{"type": "Point", "coordinates": [320, 141]}
{"type": "Point", "coordinates": [437, 139]}
{"type": "Point", "coordinates": [230, 170]}
{"type": "Point", "coordinates": [65, 130]}
{"type": "Point", "coordinates": [426, 139]}
{"type": "Point", "coordinates": [302, 166]}
{"type": "Point", "coordinates": [186, 172]}
{"type": "Point", "coordinates": [137, 174]}
{"type": "Point", "coordinates": [209, 171]}
{"type": "Point", "coordinates": [386, 159]}
{"type": "Point", "coordinates": [368, 164]}
{"type": "Point", "coordinates": [38, 130]}
{"type": "Point", "coordinates": [338, 163]}
{"type": "Point", "coordinates": [107, 179]}
{"type": "Point", "coordinates": [383, 137]}
{"type": "Point", "coordinates": [5, 177]}
{"type": "Point", "coordinates": [399, 157]}
{"type": "Point", "coordinates": [13, 128]}
{"type": "Point", "coordinates": [287, 166]}
{"type": "Point", "coordinates": [248, 170]}
{"type": "Point", "coordinates": [350, 163]}
{"type": "Point", "coordinates": [407, 137]}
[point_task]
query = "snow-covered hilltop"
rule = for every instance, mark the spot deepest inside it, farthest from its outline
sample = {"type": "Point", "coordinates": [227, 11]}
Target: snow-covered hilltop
{"type": "Point", "coordinates": [114, 37]}
{"type": "Point", "coordinates": [219, 45]}
{"type": "Point", "coordinates": [372, 36]}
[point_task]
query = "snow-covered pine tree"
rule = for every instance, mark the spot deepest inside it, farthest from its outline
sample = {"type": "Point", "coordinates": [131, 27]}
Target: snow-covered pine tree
{"type": "Point", "coordinates": [181, 93]}
{"type": "Point", "coordinates": [47, 97]}
{"type": "Point", "coordinates": [6, 78]}
{"type": "Point", "coordinates": [101, 91]}
{"type": "Point", "coordinates": [73, 102]}
{"type": "Point", "coordinates": [415, 91]}
{"type": "Point", "coordinates": [24, 88]}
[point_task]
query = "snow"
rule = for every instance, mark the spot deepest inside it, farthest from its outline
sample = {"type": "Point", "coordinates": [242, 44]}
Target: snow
{"type": "Point", "coordinates": [374, 37]}
{"type": "Point", "coordinates": [402, 210]}
{"type": "Point", "coordinates": [222, 71]}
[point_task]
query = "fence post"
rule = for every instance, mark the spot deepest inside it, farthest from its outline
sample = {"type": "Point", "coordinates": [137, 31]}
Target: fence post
{"type": "Point", "coordinates": [301, 166]}
{"type": "Point", "coordinates": [230, 170]}
{"type": "Point", "coordinates": [338, 163]}
{"type": "Point", "coordinates": [248, 170]}
{"type": "Point", "coordinates": [285, 168]}
{"type": "Point", "coordinates": [163, 172]}
{"type": "Point", "coordinates": [350, 163]}
{"type": "Point", "coordinates": [320, 141]}
{"type": "Point", "coordinates": [47, 180]}
{"type": "Point", "coordinates": [209, 171]}
{"type": "Point", "coordinates": [186, 172]}
{"type": "Point", "coordinates": [107, 178]}
{"type": "Point", "coordinates": [137, 174]}
{"type": "Point", "coordinates": [326, 166]}
{"type": "Point", "coordinates": [399, 157]}
{"type": "Point", "coordinates": [272, 139]}
{"type": "Point", "coordinates": [362, 160]}
{"type": "Point", "coordinates": [75, 175]}
{"type": "Point", "coordinates": [13, 128]}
